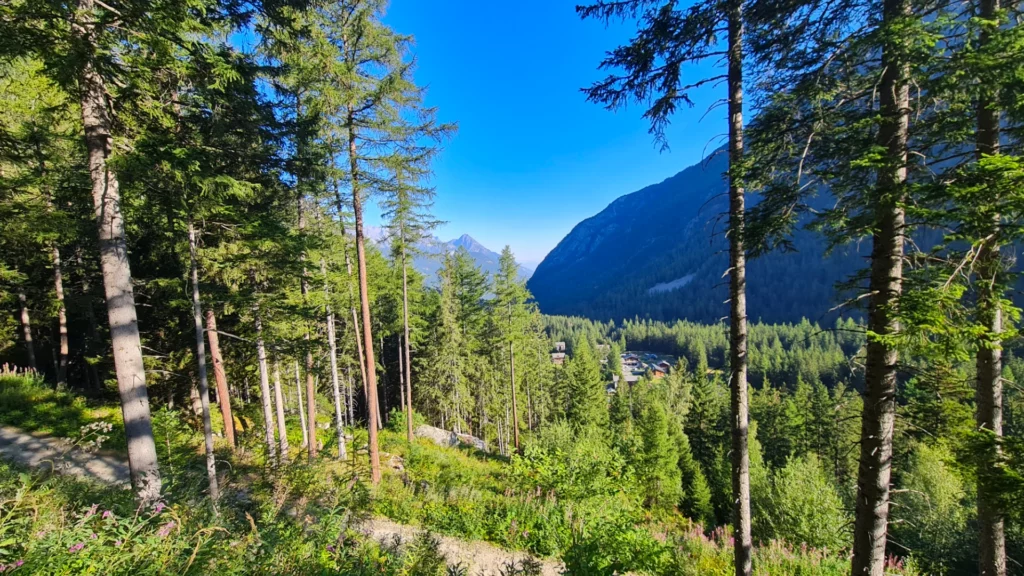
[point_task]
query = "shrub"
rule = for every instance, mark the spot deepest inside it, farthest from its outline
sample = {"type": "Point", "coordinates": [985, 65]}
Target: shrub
{"type": "Point", "coordinates": [802, 507]}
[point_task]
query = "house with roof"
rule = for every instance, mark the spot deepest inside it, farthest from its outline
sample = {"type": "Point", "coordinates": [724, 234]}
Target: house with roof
{"type": "Point", "coordinates": [559, 346]}
{"type": "Point", "coordinates": [558, 358]}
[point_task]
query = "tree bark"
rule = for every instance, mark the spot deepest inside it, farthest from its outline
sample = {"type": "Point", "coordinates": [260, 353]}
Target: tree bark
{"type": "Point", "coordinates": [742, 547]}
{"type": "Point", "coordinates": [364, 300]}
{"type": "Point", "coordinates": [204, 385]}
{"type": "Point", "coordinates": [223, 395]}
{"type": "Point", "coordinates": [117, 277]}
{"type": "Point", "coordinates": [512, 382]}
{"type": "Point", "coordinates": [282, 428]}
{"type": "Point", "coordinates": [335, 385]}
{"type": "Point", "coordinates": [302, 409]}
{"type": "Point", "coordinates": [268, 414]}
{"type": "Point", "coordinates": [26, 327]}
{"type": "Point", "coordinates": [989, 358]}
{"type": "Point", "coordinates": [885, 285]}
{"type": "Point", "coordinates": [406, 349]}
{"type": "Point", "coordinates": [311, 445]}
{"type": "Point", "coordinates": [62, 316]}
{"type": "Point", "coordinates": [401, 374]}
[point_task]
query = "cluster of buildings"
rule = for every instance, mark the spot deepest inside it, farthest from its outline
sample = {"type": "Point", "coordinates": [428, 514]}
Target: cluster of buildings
{"type": "Point", "coordinates": [636, 365]}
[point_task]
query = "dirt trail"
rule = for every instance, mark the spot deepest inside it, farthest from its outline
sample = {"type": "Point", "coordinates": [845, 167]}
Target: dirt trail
{"type": "Point", "coordinates": [48, 453]}
{"type": "Point", "coordinates": [57, 454]}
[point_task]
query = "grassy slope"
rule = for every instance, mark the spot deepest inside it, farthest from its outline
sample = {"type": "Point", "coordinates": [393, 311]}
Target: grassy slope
{"type": "Point", "coordinates": [284, 522]}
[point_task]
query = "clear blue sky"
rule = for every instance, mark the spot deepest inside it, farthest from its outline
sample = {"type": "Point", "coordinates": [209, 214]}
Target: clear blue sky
{"type": "Point", "coordinates": [532, 158]}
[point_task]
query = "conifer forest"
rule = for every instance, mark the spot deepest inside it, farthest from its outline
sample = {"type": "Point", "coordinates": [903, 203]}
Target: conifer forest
{"type": "Point", "coordinates": [214, 361]}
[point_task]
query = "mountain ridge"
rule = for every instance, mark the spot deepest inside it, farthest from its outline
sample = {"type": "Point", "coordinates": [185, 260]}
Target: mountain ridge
{"type": "Point", "coordinates": [660, 253]}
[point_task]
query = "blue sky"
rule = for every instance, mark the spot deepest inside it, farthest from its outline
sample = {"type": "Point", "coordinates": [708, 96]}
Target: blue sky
{"type": "Point", "coordinates": [532, 158]}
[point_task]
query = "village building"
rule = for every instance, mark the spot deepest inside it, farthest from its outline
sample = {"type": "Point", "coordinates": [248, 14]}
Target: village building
{"type": "Point", "coordinates": [558, 358]}
{"type": "Point", "coordinates": [559, 346]}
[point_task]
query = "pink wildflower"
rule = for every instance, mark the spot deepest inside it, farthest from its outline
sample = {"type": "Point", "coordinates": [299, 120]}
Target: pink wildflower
{"type": "Point", "coordinates": [165, 529]}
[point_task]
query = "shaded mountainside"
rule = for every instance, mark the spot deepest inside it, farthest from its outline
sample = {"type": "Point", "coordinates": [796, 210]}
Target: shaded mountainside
{"type": "Point", "coordinates": [660, 253]}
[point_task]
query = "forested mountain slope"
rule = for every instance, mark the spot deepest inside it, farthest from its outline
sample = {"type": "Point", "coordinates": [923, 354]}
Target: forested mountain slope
{"type": "Point", "coordinates": [660, 253]}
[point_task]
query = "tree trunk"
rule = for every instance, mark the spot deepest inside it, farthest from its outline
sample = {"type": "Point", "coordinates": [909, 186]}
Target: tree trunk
{"type": "Point", "coordinates": [117, 276]}
{"type": "Point", "coordinates": [885, 285]}
{"type": "Point", "coordinates": [401, 375]}
{"type": "Point", "coordinates": [407, 348]}
{"type": "Point", "coordinates": [311, 446]}
{"type": "Point", "coordinates": [223, 395]}
{"type": "Point", "coordinates": [62, 316]}
{"type": "Point", "coordinates": [204, 385]}
{"type": "Point", "coordinates": [268, 414]}
{"type": "Point", "coordinates": [351, 397]}
{"type": "Point", "coordinates": [93, 335]}
{"type": "Point", "coordinates": [742, 547]}
{"type": "Point", "coordinates": [302, 409]}
{"type": "Point", "coordinates": [989, 360]}
{"type": "Point", "coordinates": [512, 382]}
{"type": "Point", "coordinates": [364, 301]}
{"type": "Point", "coordinates": [336, 387]}
{"type": "Point", "coordinates": [282, 428]}
{"type": "Point", "coordinates": [26, 327]}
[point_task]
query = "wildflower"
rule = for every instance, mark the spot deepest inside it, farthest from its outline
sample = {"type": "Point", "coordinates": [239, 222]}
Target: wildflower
{"type": "Point", "coordinates": [117, 543]}
{"type": "Point", "coordinates": [76, 547]}
{"type": "Point", "coordinates": [41, 534]}
{"type": "Point", "coordinates": [92, 510]}
{"type": "Point", "coordinates": [92, 536]}
{"type": "Point", "coordinates": [107, 514]}
{"type": "Point", "coordinates": [19, 563]}
{"type": "Point", "coordinates": [330, 548]}
{"type": "Point", "coordinates": [165, 529]}
{"type": "Point", "coordinates": [159, 507]}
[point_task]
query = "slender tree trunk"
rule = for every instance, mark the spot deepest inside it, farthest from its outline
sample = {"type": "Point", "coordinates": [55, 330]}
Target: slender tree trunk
{"type": "Point", "coordinates": [282, 428]}
{"type": "Point", "coordinates": [885, 285]}
{"type": "Point", "coordinates": [26, 327]}
{"type": "Point", "coordinates": [407, 349]}
{"type": "Point", "coordinates": [512, 383]}
{"type": "Point", "coordinates": [311, 446]}
{"type": "Point", "coordinates": [351, 397]}
{"type": "Point", "coordinates": [117, 276]}
{"type": "Point", "coordinates": [335, 385]}
{"type": "Point", "coordinates": [989, 360]}
{"type": "Point", "coordinates": [204, 385]}
{"type": "Point", "coordinates": [62, 316]}
{"type": "Point", "coordinates": [268, 414]}
{"type": "Point", "coordinates": [401, 375]}
{"type": "Point", "coordinates": [302, 409]}
{"type": "Point", "coordinates": [743, 548]}
{"type": "Point", "coordinates": [93, 335]}
{"type": "Point", "coordinates": [223, 395]}
{"type": "Point", "coordinates": [364, 300]}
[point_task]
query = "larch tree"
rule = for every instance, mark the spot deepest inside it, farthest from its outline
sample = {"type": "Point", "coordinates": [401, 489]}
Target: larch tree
{"type": "Point", "coordinates": [407, 211]}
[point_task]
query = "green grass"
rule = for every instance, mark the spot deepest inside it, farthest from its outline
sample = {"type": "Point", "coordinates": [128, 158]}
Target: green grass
{"type": "Point", "coordinates": [301, 519]}
{"type": "Point", "coordinates": [34, 406]}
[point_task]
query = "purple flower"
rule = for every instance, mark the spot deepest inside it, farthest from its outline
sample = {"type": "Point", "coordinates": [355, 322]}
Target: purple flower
{"type": "Point", "coordinates": [3, 568]}
{"type": "Point", "coordinates": [92, 536]}
{"type": "Point", "coordinates": [330, 548]}
{"type": "Point", "coordinates": [165, 529]}
{"type": "Point", "coordinates": [159, 507]}
{"type": "Point", "coordinates": [19, 563]}
{"type": "Point", "coordinates": [76, 547]}
{"type": "Point", "coordinates": [107, 514]}
{"type": "Point", "coordinates": [117, 543]}
{"type": "Point", "coordinates": [92, 510]}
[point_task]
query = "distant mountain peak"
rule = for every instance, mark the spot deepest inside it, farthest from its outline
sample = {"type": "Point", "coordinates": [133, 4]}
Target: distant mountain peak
{"type": "Point", "coordinates": [469, 243]}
